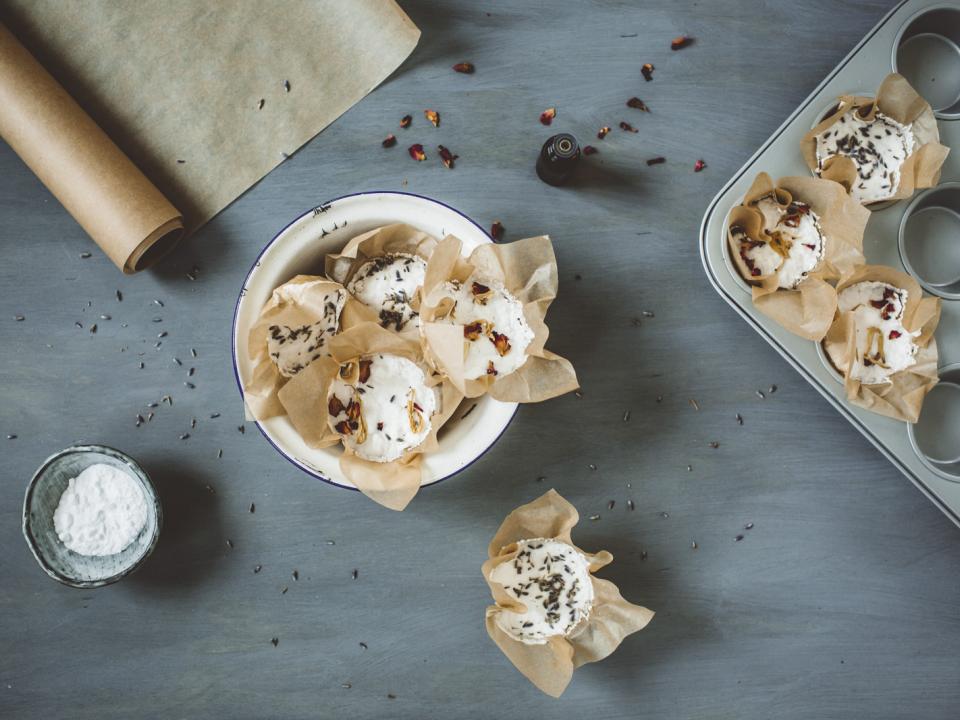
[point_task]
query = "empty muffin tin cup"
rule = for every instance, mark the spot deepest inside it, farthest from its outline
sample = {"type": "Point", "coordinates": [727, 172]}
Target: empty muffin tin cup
{"type": "Point", "coordinates": [927, 53]}
{"type": "Point", "coordinates": [929, 240]}
{"type": "Point", "coordinates": [936, 436]}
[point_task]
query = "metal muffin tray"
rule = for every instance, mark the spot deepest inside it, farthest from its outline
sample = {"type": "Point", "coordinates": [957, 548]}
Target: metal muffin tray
{"type": "Point", "coordinates": [920, 39]}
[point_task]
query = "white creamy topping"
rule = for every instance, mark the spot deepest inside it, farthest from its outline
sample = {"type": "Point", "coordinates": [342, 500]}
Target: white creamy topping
{"type": "Point", "coordinates": [387, 284]}
{"type": "Point", "coordinates": [381, 406]}
{"type": "Point", "coordinates": [496, 334]}
{"type": "Point", "coordinates": [293, 348]}
{"type": "Point", "coordinates": [795, 231]}
{"type": "Point", "coordinates": [883, 344]}
{"type": "Point", "coordinates": [878, 148]}
{"type": "Point", "coordinates": [552, 580]}
{"type": "Point", "coordinates": [102, 511]}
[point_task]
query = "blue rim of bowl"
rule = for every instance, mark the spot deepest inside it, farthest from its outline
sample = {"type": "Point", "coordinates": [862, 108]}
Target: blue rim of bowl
{"type": "Point", "coordinates": [236, 311]}
{"type": "Point", "coordinates": [32, 543]}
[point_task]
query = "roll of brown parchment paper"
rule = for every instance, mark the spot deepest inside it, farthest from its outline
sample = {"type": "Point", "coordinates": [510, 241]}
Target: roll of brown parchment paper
{"type": "Point", "coordinates": [112, 200]}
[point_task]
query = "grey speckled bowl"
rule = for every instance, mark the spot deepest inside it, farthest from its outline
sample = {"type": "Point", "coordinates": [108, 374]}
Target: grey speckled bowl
{"type": "Point", "coordinates": [43, 495]}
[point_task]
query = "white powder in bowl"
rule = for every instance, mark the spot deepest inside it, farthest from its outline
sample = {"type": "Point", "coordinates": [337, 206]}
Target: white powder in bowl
{"type": "Point", "coordinates": [101, 511]}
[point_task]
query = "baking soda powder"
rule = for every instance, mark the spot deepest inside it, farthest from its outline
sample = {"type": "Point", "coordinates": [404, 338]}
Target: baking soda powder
{"type": "Point", "coordinates": [102, 511]}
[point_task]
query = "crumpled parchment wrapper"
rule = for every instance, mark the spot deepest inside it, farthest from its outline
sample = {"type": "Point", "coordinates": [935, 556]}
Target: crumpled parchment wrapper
{"type": "Point", "coordinates": [550, 666]}
{"type": "Point", "coordinates": [808, 309]}
{"type": "Point", "coordinates": [901, 398]}
{"type": "Point", "coordinates": [528, 270]}
{"type": "Point", "coordinates": [386, 240]}
{"type": "Point", "coordinates": [392, 484]}
{"type": "Point", "coordinates": [896, 99]}
{"type": "Point", "coordinates": [297, 302]}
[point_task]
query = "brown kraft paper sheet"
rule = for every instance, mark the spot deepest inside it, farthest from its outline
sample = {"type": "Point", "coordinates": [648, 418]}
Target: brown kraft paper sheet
{"type": "Point", "coordinates": [528, 270]}
{"type": "Point", "coordinates": [808, 310]}
{"type": "Point", "coordinates": [304, 397]}
{"type": "Point", "coordinates": [178, 85]}
{"type": "Point", "coordinates": [901, 398]}
{"type": "Point", "coordinates": [550, 666]}
{"type": "Point", "coordinates": [125, 214]}
{"type": "Point", "coordinates": [896, 99]}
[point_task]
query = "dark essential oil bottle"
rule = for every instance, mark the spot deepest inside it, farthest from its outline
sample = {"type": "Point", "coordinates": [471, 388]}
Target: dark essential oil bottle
{"type": "Point", "coordinates": [558, 159]}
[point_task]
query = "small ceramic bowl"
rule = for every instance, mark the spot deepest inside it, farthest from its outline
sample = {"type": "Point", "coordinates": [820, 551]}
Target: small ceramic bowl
{"type": "Point", "coordinates": [40, 502]}
{"type": "Point", "coordinates": [300, 248]}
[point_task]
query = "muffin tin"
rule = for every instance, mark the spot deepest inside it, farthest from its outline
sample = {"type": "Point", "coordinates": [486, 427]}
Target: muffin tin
{"type": "Point", "coordinates": [921, 40]}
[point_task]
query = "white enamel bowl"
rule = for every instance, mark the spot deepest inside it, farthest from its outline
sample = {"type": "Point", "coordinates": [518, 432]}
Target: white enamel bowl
{"type": "Point", "coordinates": [300, 248]}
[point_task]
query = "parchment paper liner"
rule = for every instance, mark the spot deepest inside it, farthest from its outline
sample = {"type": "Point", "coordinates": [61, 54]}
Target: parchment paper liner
{"type": "Point", "coordinates": [896, 99]}
{"type": "Point", "coordinates": [528, 270]}
{"type": "Point", "coordinates": [902, 398]}
{"type": "Point", "coordinates": [808, 310]}
{"type": "Point", "coordinates": [550, 666]}
{"type": "Point", "coordinates": [385, 240]}
{"type": "Point", "coordinates": [295, 303]}
{"type": "Point", "coordinates": [392, 484]}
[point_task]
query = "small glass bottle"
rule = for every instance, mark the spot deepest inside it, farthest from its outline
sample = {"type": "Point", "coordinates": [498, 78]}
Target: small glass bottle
{"type": "Point", "coordinates": [558, 159]}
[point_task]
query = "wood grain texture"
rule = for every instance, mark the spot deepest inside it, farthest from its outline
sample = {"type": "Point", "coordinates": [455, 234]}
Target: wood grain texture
{"type": "Point", "coordinates": [841, 602]}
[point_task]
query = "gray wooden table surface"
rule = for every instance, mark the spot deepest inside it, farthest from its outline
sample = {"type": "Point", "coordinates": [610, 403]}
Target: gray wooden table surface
{"type": "Point", "coordinates": [843, 600]}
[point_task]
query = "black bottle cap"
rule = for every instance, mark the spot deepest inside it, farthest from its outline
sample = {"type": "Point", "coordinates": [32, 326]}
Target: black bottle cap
{"type": "Point", "coordinates": [558, 159]}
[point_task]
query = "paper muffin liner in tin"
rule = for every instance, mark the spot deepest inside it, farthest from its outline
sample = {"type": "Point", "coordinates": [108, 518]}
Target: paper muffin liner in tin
{"type": "Point", "coordinates": [550, 666]}
{"type": "Point", "coordinates": [896, 99]}
{"type": "Point", "coordinates": [298, 302]}
{"type": "Point", "coordinates": [391, 484]}
{"type": "Point", "coordinates": [398, 238]}
{"type": "Point", "coordinates": [528, 270]}
{"type": "Point", "coordinates": [902, 397]}
{"type": "Point", "coordinates": [808, 309]}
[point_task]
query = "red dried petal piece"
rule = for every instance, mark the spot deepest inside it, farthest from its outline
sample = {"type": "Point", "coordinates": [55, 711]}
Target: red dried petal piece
{"type": "Point", "coordinates": [497, 230]}
{"type": "Point", "coordinates": [647, 71]}
{"type": "Point", "coordinates": [405, 121]}
{"type": "Point", "coordinates": [417, 153]}
{"type": "Point", "coordinates": [465, 68]}
{"type": "Point", "coordinates": [343, 427]}
{"type": "Point", "coordinates": [589, 150]}
{"type": "Point", "coordinates": [627, 127]}
{"type": "Point", "coordinates": [501, 343]}
{"type": "Point", "coordinates": [491, 370]}
{"type": "Point", "coordinates": [602, 132]}
{"type": "Point", "coordinates": [335, 406]}
{"type": "Point", "coordinates": [699, 165]}
{"type": "Point", "coordinates": [365, 370]}
{"type": "Point", "coordinates": [894, 334]}
{"type": "Point", "coordinates": [637, 103]}
{"type": "Point", "coordinates": [433, 116]}
{"type": "Point", "coordinates": [547, 116]}
{"type": "Point", "coordinates": [681, 42]}
{"type": "Point", "coordinates": [389, 141]}
{"type": "Point", "coordinates": [656, 161]}
{"type": "Point", "coordinates": [447, 157]}
{"type": "Point", "coordinates": [473, 331]}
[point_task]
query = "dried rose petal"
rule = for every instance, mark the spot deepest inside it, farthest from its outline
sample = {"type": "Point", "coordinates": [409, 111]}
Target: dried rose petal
{"type": "Point", "coordinates": [647, 71]}
{"type": "Point", "coordinates": [479, 289]}
{"type": "Point", "coordinates": [547, 116]}
{"type": "Point", "coordinates": [465, 68]}
{"type": "Point", "coordinates": [343, 427]}
{"type": "Point", "coordinates": [491, 370]}
{"type": "Point", "coordinates": [500, 342]}
{"type": "Point", "coordinates": [699, 165]}
{"type": "Point", "coordinates": [589, 150]}
{"type": "Point", "coordinates": [894, 334]}
{"type": "Point", "coordinates": [365, 370]}
{"type": "Point", "coordinates": [335, 406]}
{"type": "Point", "coordinates": [681, 42]}
{"type": "Point", "coordinates": [433, 116]}
{"type": "Point", "coordinates": [656, 160]}
{"type": "Point", "coordinates": [447, 157]}
{"type": "Point", "coordinates": [637, 103]}
{"type": "Point", "coordinates": [389, 141]}
{"type": "Point", "coordinates": [473, 331]}
{"type": "Point", "coordinates": [405, 121]}
{"type": "Point", "coordinates": [417, 153]}
{"type": "Point", "coordinates": [497, 230]}
{"type": "Point", "coordinates": [353, 411]}
{"type": "Point", "coordinates": [602, 132]}
{"type": "Point", "coordinates": [627, 127]}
